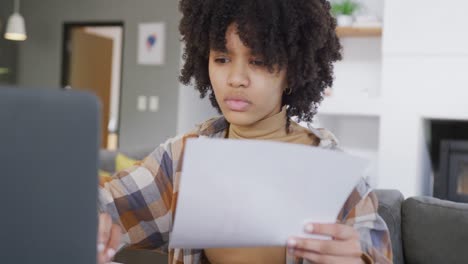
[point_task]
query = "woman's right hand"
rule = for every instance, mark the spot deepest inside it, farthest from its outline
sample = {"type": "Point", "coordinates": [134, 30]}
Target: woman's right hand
{"type": "Point", "coordinates": [109, 238]}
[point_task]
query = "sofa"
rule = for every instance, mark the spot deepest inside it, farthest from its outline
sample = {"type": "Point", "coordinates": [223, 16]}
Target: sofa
{"type": "Point", "coordinates": [423, 230]}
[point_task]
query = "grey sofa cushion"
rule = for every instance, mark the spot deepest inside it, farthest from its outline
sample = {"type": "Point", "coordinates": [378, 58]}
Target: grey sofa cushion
{"type": "Point", "coordinates": [390, 210]}
{"type": "Point", "coordinates": [107, 160]}
{"type": "Point", "coordinates": [434, 231]}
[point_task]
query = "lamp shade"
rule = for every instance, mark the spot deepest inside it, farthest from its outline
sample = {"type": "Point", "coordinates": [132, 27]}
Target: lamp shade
{"type": "Point", "coordinates": [15, 29]}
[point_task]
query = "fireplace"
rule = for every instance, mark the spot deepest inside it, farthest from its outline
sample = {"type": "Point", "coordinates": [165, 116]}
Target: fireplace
{"type": "Point", "coordinates": [451, 181]}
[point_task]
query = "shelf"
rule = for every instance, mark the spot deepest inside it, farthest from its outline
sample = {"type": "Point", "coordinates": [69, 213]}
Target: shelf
{"type": "Point", "coordinates": [358, 136]}
{"type": "Point", "coordinates": [359, 31]}
{"type": "Point", "coordinates": [352, 106]}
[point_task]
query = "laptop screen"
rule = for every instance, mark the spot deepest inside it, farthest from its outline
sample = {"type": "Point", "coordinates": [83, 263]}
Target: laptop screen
{"type": "Point", "coordinates": [48, 174]}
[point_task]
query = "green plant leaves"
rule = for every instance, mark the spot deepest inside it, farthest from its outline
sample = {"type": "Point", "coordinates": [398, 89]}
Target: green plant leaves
{"type": "Point", "coordinates": [345, 7]}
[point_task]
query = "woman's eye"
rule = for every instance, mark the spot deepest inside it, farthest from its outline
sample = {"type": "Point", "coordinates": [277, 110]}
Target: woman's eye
{"type": "Point", "coordinates": [258, 62]}
{"type": "Point", "coordinates": [221, 60]}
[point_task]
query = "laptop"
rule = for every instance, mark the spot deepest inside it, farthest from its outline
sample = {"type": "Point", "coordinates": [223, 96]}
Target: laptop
{"type": "Point", "coordinates": [48, 173]}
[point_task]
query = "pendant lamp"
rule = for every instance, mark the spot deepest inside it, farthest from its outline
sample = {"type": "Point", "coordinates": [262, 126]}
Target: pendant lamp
{"type": "Point", "coordinates": [15, 29]}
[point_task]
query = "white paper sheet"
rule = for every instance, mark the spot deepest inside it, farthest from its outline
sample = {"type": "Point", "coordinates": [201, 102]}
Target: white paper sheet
{"type": "Point", "coordinates": [245, 193]}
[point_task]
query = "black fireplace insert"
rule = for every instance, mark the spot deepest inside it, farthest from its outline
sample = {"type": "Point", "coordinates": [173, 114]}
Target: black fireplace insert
{"type": "Point", "coordinates": [451, 181]}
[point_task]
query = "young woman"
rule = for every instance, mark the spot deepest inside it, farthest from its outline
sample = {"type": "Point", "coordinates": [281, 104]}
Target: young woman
{"type": "Point", "coordinates": [261, 62]}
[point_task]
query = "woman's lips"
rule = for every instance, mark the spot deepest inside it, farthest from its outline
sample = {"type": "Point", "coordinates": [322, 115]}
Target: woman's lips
{"type": "Point", "coordinates": [237, 105]}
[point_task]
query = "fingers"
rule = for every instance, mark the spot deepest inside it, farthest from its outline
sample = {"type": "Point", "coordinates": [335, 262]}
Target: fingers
{"type": "Point", "coordinates": [345, 247]}
{"type": "Point", "coordinates": [351, 248]}
{"type": "Point", "coordinates": [325, 259]}
{"type": "Point", "coordinates": [104, 228]}
{"type": "Point", "coordinates": [336, 231]}
{"type": "Point", "coordinates": [105, 233]}
{"type": "Point", "coordinates": [102, 258]}
{"type": "Point", "coordinates": [114, 241]}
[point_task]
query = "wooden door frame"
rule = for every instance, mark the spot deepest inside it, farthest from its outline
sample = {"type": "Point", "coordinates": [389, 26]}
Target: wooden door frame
{"type": "Point", "coordinates": [65, 67]}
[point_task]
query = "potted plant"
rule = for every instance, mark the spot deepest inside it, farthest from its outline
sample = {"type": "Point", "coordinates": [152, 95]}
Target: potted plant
{"type": "Point", "coordinates": [343, 11]}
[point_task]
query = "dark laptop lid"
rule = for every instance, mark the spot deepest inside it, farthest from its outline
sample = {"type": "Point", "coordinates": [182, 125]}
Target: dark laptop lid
{"type": "Point", "coordinates": [48, 174]}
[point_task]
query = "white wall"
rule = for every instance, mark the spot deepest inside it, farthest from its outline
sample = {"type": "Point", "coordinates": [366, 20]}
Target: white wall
{"type": "Point", "coordinates": [426, 27]}
{"type": "Point", "coordinates": [359, 73]}
{"type": "Point", "coordinates": [374, 7]}
{"type": "Point", "coordinates": [425, 58]}
{"type": "Point", "coordinates": [192, 109]}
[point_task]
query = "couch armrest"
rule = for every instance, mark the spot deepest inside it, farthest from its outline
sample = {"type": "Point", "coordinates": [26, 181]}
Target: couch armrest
{"type": "Point", "coordinates": [390, 210]}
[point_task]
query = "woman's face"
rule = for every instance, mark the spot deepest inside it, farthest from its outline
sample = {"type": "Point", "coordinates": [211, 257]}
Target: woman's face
{"type": "Point", "coordinates": [245, 90]}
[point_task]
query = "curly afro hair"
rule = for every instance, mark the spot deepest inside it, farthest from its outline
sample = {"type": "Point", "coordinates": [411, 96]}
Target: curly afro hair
{"type": "Point", "coordinates": [298, 35]}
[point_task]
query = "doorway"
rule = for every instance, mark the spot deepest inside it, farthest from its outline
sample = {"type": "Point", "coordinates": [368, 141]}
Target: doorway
{"type": "Point", "coordinates": [92, 61]}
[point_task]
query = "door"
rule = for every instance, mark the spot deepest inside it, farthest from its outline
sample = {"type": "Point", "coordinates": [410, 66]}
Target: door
{"type": "Point", "coordinates": [90, 70]}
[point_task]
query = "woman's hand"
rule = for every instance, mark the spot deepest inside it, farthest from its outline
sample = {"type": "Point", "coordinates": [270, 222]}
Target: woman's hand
{"type": "Point", "coordinates": [344, 248]}
{"type": "Point", "coordinates": [109, 236]}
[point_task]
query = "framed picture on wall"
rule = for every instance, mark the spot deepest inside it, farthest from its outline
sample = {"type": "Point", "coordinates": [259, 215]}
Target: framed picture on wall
{"type": "Point", "coordinates": [151, 43]}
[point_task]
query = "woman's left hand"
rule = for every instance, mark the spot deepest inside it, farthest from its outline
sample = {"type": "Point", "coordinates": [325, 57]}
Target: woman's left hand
{"type": "Point", "coordinates": [344, 247]}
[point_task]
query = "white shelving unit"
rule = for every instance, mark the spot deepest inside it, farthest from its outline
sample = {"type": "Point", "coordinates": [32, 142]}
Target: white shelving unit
{"type": "Point", "coordinates": [357, 135]}
{"type": "Point", "coordinates": [351, 106]}
{"type": "Point", "coordinates": [353, 111]}
{"type": "Point", "coordinates": [387, 89]}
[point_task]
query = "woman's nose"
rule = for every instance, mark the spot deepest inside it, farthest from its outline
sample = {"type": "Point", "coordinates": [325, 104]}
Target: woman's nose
{"type": "Point", "coordinates": [238, 76]}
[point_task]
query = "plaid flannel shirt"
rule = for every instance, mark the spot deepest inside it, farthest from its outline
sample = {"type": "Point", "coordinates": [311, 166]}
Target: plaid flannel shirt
{"type": "Point", "coordinates": [142, 199]}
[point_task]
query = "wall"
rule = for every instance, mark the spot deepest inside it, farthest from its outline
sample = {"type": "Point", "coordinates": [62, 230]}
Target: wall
{"type": "Point", "coordinates": [40, 58]}
{"type": "Point", "coordinates": [192, 109]}
{"type": "Point", "coordinates": [8, 48]}
{"type": "Point", "coordinates": [424, 77]}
